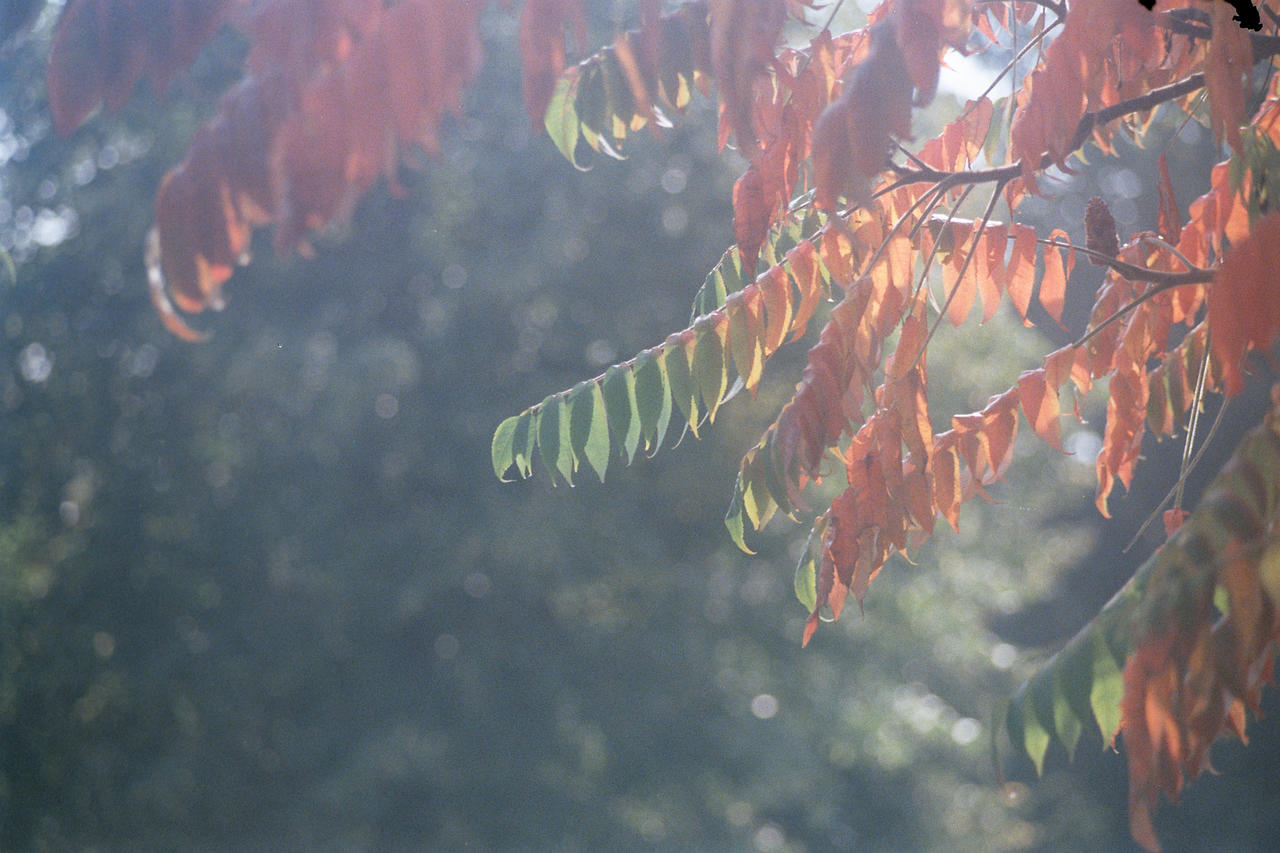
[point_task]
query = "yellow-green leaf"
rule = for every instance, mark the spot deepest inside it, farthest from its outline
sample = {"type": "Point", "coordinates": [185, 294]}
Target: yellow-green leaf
{"type": "Point", "coordinates": [680, 376]}
{"type": "Point", "coordinates": [653, 401]}
{"type": "Point", "coordinates": [561, 117]}
{"type": "Point", "coordinates": [709, 368]}
{"type": "Point", "coordinates": [746, 338]}
{"type": "Point", "coordinates": [733, 522]}
{"type": "Point", "coordinates": [620, 405]}
{"type": "Point", "coordinates": [806, 580]}
{"type": "Point", "coordinates": [553, 437]}
{"type": "Point", "coordinates": [501, 449]}
{"type": "Point", "coordinates": [589, 428]}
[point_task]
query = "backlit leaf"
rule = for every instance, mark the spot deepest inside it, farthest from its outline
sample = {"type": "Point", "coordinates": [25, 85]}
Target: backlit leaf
{"type": "Point", "coordinates": [553, 438]}
{"type": "Point", "coordinates": [588, 427]}
{"type": "Point", "coordinates": [562, 118]}
{"type": "Point", "coordinates": [653, 401]}
{"type": "Point", "coordinates": [733, 521]}
{"type": "Point", "coordinates": [709, 362]}
{"type": "Point", "coordinates": [684, 391]}
{"type": "Point", "coordinates": [620, 403]}
{"type": "Point", "coordinates": [745, 338]}
{"type": "Point", "coordinates": [501, 448]}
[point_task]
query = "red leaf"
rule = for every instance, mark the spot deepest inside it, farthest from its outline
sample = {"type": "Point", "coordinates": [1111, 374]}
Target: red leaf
{"type": "Point", "coordinates": [917, 26]}
{"type": "Point", "coordinates": [101, 49]}
{"type": "Point", "coordinates": [743, 36]}
{"type": "Point", "coordinates": [542, 52]}
{"type": "Point", "coordinates": [853, 136]}
{"type": "Point", "coordinates": [750, 217]}
{"type": "Point", "coordinates": [1173, 519]}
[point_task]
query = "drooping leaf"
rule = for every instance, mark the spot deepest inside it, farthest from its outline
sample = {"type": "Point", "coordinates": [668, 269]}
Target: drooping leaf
{"type": "Point", "coordinates": [743, 34]}
{"type": "Point", "coordinates": [1227, 67]}
{"type": "Point", "coordinates": [588, 427]}
{"type": "Point", "coordinates": [561, 118]}
{"type": "Point", "coordinates": [620, 402]}
{"type": "Point", "coordinates": [653, 400]}
{"type": "Point", "coordinates": [733, 521]}
{"type": "Point", "coordinates": [553, 437]}
{"type": "Point", "coordinates": [1243, 310]}
{"type": "Point", "coordinates": [746, 337]}
{"type": "Point", "coordinates": [641, 79]}
{"type": "Point", "coordinates": [1190, 673]}
{"type": "Point", "coordinates": [101, 49]}
{"type": "Point", "coordinates": [710, 362]}
{"type": "Point", "coordinates": [852, 137]}
{"type": "Point", "coordinates": [502, 448]}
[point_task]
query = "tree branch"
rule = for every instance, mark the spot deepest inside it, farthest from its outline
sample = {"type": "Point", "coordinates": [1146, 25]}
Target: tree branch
{"type": "Point", "coordinates": [1088, 122]}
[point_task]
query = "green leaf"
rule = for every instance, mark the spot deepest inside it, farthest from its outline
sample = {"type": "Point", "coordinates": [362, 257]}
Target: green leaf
{"type": "Point", "coordinates": [725, 278]}
{"type": "Point", "coordinates": [653, 400]}
{"type": "Point", "coordinates": [745, 342]}
{"type": "Point", "coordinates": [588, 427]}
{"type": "Point", "coordinates": [709, 368]}
{"type": "Point", "coordinates": [733, 521]}
{"type": "Point", "coordinates": [756, 498]}
{"type": "Point", "coordinates": [806, 580]}
{"type": "Point", "coordinates": [1025, 728]}
{"type": "Point", "coordinates": [1073, 679]}
{"type": "Point", "coordinates": [561, 118]}
{"type": "Point", "coordinates": [523, 440]}
{"type": "Point", "coordinates": [501, 449]}
{"type": "Point", "coordinates": [553, 437]}
{"type": "Point", "coordinates": [680, 378]}
{"type": "Point", "coordinates": [621, 407]}
{"type": "Point", "coordinates": [1106, 691]}
{"type": "Point", "coordinates": [1067, 725]}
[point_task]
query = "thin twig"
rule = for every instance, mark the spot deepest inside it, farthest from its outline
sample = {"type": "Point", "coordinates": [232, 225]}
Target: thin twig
{"type": "Point", "coordinates": [1012, 65]}
{"type": "Point", "coordinates": [933, 251]}
{"type": "Point", "coordinates": [964, 268]}
{"type": "Point", "coordinates": [1125, 309]}
{"type": "Point", "coordinates": [1185, 473]}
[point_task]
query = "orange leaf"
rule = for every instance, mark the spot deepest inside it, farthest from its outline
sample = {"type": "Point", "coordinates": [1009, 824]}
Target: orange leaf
{"type": "Point", "coordinates": [961, 289]}
{"type": "Point", "coordinates": [1226, 72]}
{"type": "Point", "coordinates": [1040, 405]}
{"type": "Point", "coordinates": [948, 491]}
{"type": "Point", "coordinates": [803, 263]}
{"type": "Point", "coordinates": [1243, 309]}
{"type": "Point", "coordinates": [1021, 269]}
{"type": "Point", "coordinates": [1053, 286]}
{"type": "Point", "coordinates": [775, 284]}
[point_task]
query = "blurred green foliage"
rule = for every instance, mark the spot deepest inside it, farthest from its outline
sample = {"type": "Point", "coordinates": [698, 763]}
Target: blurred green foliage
{"type": "Point", "coordinates": [264, 593]}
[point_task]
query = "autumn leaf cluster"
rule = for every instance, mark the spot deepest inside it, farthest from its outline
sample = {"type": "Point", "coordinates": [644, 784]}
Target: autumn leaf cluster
{"type": "Point", "coordinates": [847, 236]}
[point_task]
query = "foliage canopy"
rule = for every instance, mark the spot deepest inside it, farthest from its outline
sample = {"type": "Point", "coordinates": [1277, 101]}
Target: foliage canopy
{"type": "Point", "coordinates": [841, 227]}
